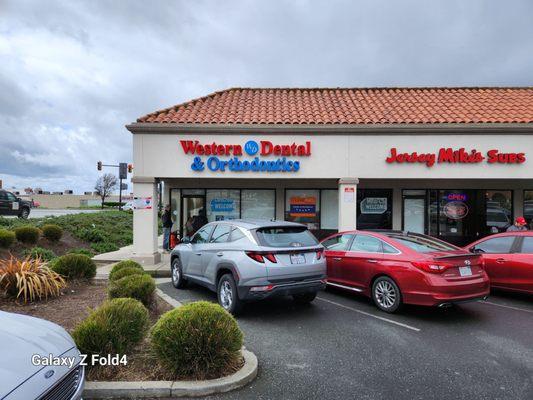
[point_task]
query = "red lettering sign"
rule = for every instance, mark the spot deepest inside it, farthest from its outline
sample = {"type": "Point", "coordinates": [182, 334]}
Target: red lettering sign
{"type": "Point", "coordinates": [451, 156]}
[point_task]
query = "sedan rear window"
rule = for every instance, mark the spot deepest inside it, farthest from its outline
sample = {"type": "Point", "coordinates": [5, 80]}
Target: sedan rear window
{"type": "Point", "coordinates": [422, 244]}
{"type": "Point", "coordinates": [286, 237]}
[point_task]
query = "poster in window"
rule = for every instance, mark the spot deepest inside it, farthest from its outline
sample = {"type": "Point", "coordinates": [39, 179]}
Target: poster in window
{"type": "Point", "coordinates": [455, 210]}
{"type": "Point", "coordinates": [142, 203]}
{"type": "Point", "coordinates": [302, 206]}
{"type": "Point", "coordinates": [374, 205]}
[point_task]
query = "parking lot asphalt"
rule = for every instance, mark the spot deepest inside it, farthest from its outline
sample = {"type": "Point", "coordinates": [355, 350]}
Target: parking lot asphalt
{"type": "Point", "coordinates": [342, 347]}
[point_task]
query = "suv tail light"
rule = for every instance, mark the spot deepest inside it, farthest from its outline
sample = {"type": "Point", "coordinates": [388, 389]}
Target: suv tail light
{"type": "Point", "coordinates": [260, 257]}
{"type": "Point", "coordinates": [430, 267]}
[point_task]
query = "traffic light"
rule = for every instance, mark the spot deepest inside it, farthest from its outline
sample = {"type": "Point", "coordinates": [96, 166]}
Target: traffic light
{"type": "Point", "coordinates": [130, 168]}
{"type": "Point", "coordinates": [99, 165]}
{"type": "Point", "coordinates": [123, 170]}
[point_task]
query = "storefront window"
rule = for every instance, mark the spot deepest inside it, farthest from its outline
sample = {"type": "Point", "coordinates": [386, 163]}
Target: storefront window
{"type": "Point", "coordinates": [528, 205]}
{"type": "Point", "coordinates": [499, 210]}
{"type": "Point", "coordinates": [303, 206]}
{"type": "Point", "coordinates": [258, 204]}
{"type": "Point", "coordinates": [374, 209]}
{"type": "Point", "coordinates": [330, 210]}
{"type": "Point", "coordinates": [223, 204]}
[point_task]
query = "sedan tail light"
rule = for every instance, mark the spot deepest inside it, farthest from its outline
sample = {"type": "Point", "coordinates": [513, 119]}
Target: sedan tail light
{"type": "Point", "coordinates": [260, 257]}
{"type": "Point", "coordinates": [430, 267]}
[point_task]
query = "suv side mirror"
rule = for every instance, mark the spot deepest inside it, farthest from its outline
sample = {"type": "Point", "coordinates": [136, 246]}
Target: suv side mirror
{"type": "Point", "coordinates": [185, 240]}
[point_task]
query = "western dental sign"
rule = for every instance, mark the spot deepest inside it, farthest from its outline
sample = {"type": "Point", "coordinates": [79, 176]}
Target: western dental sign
{"type": "Point", "coordinates": [455, 156]}
{"type": "Point", "coordinates": [262, 156]}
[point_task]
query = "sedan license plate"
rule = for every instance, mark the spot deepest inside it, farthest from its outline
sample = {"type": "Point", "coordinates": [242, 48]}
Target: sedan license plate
{"type": "Point", "coordinates": [465, 271]}
{"type": "Point", "coordinates": [298, 258]}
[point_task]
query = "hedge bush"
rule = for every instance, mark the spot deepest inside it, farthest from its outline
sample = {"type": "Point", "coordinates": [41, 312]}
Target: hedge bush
{"type": "Point", "coordinates": [27, 234]}
{"type": "Point", "coordinates": [113, 328]}
{"type": "Point", "coordinates": [39, 253]}
{"type": "Point", "coordinates": [199, 339]}
{"type": "Point", "coordinates": [7, 238]}
{"type": "Point", "coordinates": [75, 266]}
{"type": "Point", "coordinates": [52, 232]}
{"type": "Point", "coordinates": [140, 287]}
{"type": "Point", "coordinates": [125, 272]}
{"type": "Point", "coordinates": [104, 247]}
{"type": "Point", "coordinates": [124, 264]}
{"type": "Point", "coordinates": [85, 252]}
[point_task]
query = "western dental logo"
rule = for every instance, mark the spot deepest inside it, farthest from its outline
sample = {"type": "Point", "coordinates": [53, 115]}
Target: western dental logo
{"type": "Point", "coordinates": [217, 153]}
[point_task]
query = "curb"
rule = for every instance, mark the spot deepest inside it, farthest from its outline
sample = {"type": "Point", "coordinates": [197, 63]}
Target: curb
{"type": "Point", "coordinates": [173, 302]}
{"type": "Point", "coordinates": [158, 389]}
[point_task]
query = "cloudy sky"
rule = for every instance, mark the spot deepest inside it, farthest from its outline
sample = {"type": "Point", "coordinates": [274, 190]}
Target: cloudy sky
{"type": "Point", "coordinates": [73, 73]}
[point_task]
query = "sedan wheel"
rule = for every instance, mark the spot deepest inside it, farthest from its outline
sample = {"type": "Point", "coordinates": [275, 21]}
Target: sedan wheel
{"type": "Point", "coordinates": [386, 294]}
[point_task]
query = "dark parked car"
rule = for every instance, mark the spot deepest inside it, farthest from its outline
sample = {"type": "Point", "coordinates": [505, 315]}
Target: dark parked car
{"type": "Point", "coordinates": [13, 205]}
{"type": "Point", "coordinates": [508, 260]}
{"type": "Point", "coordinates": [394, 267]}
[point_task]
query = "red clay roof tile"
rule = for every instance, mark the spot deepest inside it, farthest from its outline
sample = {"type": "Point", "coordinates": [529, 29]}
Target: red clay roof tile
{"type": "Point", "coordinates": [463, 105]}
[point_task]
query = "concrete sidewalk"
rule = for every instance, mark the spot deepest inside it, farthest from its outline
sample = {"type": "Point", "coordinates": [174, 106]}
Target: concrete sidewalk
{"type": "Point", "coordinates": [105, 261]}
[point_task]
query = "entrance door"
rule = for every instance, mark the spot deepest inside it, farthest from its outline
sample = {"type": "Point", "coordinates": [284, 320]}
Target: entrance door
{"type": "Point", "coordinates": [193, 215]}
{"type": "Point", "coordinates": [414, 213]}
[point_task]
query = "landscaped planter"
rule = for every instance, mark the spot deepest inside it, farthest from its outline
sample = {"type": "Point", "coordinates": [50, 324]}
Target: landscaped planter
{"type": "Point", "coordinates": [151, 389]}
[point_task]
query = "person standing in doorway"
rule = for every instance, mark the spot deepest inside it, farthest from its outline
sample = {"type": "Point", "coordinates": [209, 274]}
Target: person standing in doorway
{"type": "Point", "coordinates": [520, 224]}
{"type": "Point", "coordinates": [166, 220]}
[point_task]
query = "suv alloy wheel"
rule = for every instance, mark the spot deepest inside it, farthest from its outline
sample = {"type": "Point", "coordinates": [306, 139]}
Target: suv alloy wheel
{"type": "Point", "coordinates": [386, 294]}
{"type": "Point", "coordinates": [25, 213]}
{"type": "Point", "coordinates": [178, 280]}
{"type": "Point", "coordinates": [227, 294]}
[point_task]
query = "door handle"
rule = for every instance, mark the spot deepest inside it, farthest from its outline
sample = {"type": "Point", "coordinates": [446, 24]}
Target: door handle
{"type": "Point", "coordinates": [220, 254]}
{"type": "Point", "coordinates": [337, 258]}
{"type": "Point", "coordinates": [500, 260]}
{"type": "Point", "coordinates": [372, 261]}
{"type": "Point", "coordinates": [198, 254]}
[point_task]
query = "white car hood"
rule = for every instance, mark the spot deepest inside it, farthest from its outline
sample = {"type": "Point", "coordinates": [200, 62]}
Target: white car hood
{"type": "Point", "coordinates": [20, 338]}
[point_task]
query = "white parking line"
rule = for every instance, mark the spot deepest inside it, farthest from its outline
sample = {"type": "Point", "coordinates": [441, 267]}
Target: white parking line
{"type": "Point", "coordinates": [371, 315]}
{"type": "Point", "coordinates": [504, 306]}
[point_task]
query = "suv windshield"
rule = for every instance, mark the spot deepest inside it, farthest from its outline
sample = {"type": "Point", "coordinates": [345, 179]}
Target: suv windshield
{"type": "Point", "coordinates": [286, 237]}
{"type": "Point", "coordinates": [422, 244]}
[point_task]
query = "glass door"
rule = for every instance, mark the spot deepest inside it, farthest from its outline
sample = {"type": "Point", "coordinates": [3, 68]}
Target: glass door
{"type": "Point", "coordinates": [193, 215]}
{"type": "Point", "coordinates": [414, 212]}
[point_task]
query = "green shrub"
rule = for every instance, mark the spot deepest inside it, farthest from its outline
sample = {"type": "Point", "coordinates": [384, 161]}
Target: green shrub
{"type": "Point", "coordinates": [7, 238]}
{"type": "Point", "coordinates": [124, 264]}
{"type": "Point", "coordinates": [104, 247]}
{"type": "Point", "coordinates": [125, 272]}
{"type": "Point", "coordinates": [85, 252]}
{"type": "Point", "coordinates": [199, 339]}
{"type": "Point", "coordinates": [113, 328]}
{"type": "Point", "coordinates": [92, 235]}
{"type": "Point", "coordinates": [52, 232]}
{"type": "Point", "coordinates": [140, 287]}
{"type": "Point", "coordinates": [39, 252]}
{"type": "Point", "coordinates": [75, 266]}
{"type": "Point", "coordinates": [27, 234]}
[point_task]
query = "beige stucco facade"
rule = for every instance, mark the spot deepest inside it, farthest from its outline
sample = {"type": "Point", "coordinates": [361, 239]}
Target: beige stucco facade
{"type": "Point", "coordinates": [344, 159]}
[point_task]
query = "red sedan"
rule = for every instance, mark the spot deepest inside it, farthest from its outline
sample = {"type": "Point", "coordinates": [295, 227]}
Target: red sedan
{"type": "Point", "coordinates": [508, 260]}
{"type": "Point", "coordinates": [396, 267]}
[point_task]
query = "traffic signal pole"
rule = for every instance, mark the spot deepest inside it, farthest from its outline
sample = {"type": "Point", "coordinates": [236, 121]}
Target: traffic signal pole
{"type": "Point", "coordinates": [123, 169]}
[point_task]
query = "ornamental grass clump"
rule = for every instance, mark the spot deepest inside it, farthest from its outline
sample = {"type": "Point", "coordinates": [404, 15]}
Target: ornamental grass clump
{"type": "Point", "coordinates": [113, 328]}
{"type": "Point", "coordinates": [27, 234]}
{"type": "Point", "coordinates": [140, 287]}
{"type": "Point", "coordinates": [29, 279]}
{"type": "Point", "coordinates": [199, 340]}
{"type": "Point", "coordinates": [75, 266]}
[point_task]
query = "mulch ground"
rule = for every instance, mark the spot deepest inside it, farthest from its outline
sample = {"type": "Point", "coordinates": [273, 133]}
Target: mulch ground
{"type": "Point", "coordinates": [67, 243]}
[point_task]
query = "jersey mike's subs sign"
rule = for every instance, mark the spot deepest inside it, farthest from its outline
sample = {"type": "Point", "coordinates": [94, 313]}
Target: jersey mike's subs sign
{"type": "Point", "coordinates": [448, 155]}
{"type": "Point", "coordinates": [253, 156]}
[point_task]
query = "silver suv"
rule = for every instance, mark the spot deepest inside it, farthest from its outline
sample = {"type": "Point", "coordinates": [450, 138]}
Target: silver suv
{"type": "Point", "coordinates": [251, 260]}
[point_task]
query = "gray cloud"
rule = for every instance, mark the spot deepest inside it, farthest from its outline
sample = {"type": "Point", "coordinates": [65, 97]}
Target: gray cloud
{"type": "Point", "coordinates": [74, 72]}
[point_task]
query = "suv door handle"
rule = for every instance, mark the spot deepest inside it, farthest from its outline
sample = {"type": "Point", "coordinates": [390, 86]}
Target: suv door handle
{"type": "Point", "coordinates": [220, 254]}
{"type": "Point", "coordinates": [500, 260]}
{"type": "Point", "coordinates": [198, 254]}
{"type": "Point", "coordinates": [372, 261]}
{"type": "Point", "coordinates": [337, 258]}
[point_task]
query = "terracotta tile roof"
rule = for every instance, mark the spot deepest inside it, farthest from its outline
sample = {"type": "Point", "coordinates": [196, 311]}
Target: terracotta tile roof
{"type": "Point", "coordinates": [354, 106]}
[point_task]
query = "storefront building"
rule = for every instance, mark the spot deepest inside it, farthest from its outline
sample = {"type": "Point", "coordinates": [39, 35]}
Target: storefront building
{"type": "Point", "coordinates": [449, 162]}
